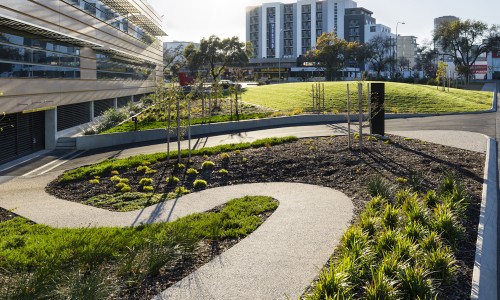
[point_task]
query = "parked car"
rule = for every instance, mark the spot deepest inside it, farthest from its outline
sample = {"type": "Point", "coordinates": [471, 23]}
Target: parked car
{"type": "Point", "coordinates": [228, 83]}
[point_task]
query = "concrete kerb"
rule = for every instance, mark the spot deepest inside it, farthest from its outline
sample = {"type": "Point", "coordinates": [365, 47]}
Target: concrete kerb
{"type": "Point", "coordinates": [484, 278]}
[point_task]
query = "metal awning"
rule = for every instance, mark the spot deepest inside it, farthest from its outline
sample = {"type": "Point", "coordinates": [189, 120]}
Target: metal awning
{"type": "Point", "coordinates": [127, 8]}
{"type": "Point", "coordinates": [45, 32]}
{"type": "Point", "coordinates": [146, 23]}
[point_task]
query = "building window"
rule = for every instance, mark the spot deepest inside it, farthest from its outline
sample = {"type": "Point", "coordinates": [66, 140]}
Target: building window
{"type": "Point", "coordinates": [114, 68]}
{"type": "Point", "coordinates": [373, 29]}
{"type": "Point", "coordinates": [24, 55]}
{"type": "Point", "coordinates": [101, 11]}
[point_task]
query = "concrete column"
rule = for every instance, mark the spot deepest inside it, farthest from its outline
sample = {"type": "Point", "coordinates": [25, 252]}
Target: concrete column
{"type": "Point", "coordinates": [91, 103]}
{"type": "Point", "coordinates": [51, 128]}
{"type": "Point", "coordinates": [115, 103]}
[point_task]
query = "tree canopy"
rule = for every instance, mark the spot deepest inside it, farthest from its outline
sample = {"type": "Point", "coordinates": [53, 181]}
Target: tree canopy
{"type": "Point", "coordinates": [173, 59]}
{"type": "Point", "coordinates": [380, 50]}
{"type": "Point", "coordinates": [333, 53]}
{"type": "Point", "coordinates": [465, 41]}
{"type": "Point", "coordinates": [216, 54]}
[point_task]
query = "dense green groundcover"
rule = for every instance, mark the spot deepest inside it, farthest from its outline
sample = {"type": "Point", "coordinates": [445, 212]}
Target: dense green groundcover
{"type": "Point", "coordinates": [399, 98]}
{"type": "Point", "coordinates": [107, 166]}
{"type": "Point", "coordinates": [150, 124]}
{"type": "Point", "coordinates": [402, 247]}
{"type": "Point", "coordinates": [38, 261]}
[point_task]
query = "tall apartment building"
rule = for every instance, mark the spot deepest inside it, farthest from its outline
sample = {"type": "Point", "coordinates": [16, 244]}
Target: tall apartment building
{"type": "Point", "coordinates": [64, 62]}
{"type": "Point", "coordinates": [279, 30]}
{"type": "Point", "coordinates": [355, 21]}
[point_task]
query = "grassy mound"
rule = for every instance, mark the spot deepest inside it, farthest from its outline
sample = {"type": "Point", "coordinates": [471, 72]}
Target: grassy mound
{"type": "Point", "coordinates": [400, 97]}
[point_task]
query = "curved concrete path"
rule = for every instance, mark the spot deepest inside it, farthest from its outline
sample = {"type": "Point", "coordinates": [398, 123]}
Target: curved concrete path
{"type": "Point", "coordinates": [278, 260]}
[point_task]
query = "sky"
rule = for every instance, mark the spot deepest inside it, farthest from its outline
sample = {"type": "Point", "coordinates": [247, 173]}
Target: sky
{"type": "Point", "coordinates": [192, 20]}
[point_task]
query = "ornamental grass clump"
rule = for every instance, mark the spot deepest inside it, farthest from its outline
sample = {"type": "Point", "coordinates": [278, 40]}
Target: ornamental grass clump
{"type": "Point", "coordinates": [145, 181]}
{"type": "Point", "coordinates": [199, 184]}
{"type": "Point", "coordinates": [192, 172]}
{"type": "Point", "coordinates": [148, 188]}
{"type": "Point", "coordinates": [400, 248]}
{"type": "Point", "coordinates": [224, 156]}
{"type": "Point", "coordinates": [172, 179]}
{"type": "Point", "coordinates": [115, 178]}
{"type": "Point", "coordinates": [223, 172]}
{"type": "Point", "coordinates": [207, 165]}
{"type": "Point", "coordinates": [378, 186]}
{"type": "Point", "coordinates": [94, 181]}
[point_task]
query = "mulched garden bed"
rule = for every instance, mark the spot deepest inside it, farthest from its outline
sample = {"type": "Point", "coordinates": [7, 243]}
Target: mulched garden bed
{"type": "Point", "coordinates": [326, 162]}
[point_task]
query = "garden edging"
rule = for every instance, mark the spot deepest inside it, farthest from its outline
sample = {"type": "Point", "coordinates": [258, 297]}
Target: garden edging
{"type": "Point", "coordinates": [484, 278]}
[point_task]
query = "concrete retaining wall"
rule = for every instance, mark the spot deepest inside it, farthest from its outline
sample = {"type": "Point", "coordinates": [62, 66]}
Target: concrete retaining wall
{"type": "Point", "coordinates": [121, 138]}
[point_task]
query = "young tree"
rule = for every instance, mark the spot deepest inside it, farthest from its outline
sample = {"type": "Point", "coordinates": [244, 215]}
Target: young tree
{"type": "Point", "coordinates": [217, 54]}
{"type": "Point", "coordinates": [464, 41]}
{"type": "Point", "coordinates": [426, 60]}
{"type": "Point", "coordinates": [173, 60]}
{"type": "Point", "coordinates": [380, 48]}
{"type": "Point", "coordinates": [333, 53]}
{"type": "Point", "coordinates": [404, 64]}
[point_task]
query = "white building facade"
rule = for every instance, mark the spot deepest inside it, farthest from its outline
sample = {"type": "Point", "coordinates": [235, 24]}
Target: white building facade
{"type": "Point", "coordinates": [281, 30]}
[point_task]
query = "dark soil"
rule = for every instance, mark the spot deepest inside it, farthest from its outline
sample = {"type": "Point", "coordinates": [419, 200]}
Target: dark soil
{"type": "Point", "coordinates": [328, 162]}
{"type": "Point", "coordinates": [6, 215]}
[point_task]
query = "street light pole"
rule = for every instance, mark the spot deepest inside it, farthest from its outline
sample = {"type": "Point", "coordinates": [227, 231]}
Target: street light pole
{"type": "Point", "coordinates": [279, 56]}
{"type": "Point", "coordinates": [396, 50]}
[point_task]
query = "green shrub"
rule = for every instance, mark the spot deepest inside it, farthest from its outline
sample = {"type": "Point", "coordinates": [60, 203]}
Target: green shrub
{"type": "Point", "coordinates": [142, 168]}
{"type": "Point", "coordinates": [115, 178]}
{"type": "Point", "coordinates": [192, 172]}
{"type": "Point", "coordinates": [150, 171]}
{"type": "Point", "coordinates": [148, 188]}
{"type": "Point", "coordinates": [180, 166]}
{"type": "Point", "coordinates": [207, 165]}
{"type": "Point", "coordinates": [115, 172]}
{"type": "Point", "coordinates": [415, 283]}
{"type": "Point", "coordinates": [125, 189]}
{"type": "Point", "coordinates": [172, 179]}
{"type": "Point", "coordinates": [431, 199]}
{"type": "Point", "coordinates": [401, 180]}
{"type": "Point", "coordinates": [223, 172]}
{"type": "Point", "coordinates": [94, 181]}
{"type": "Point", "coordinates": [124, 180]}
{"type": "Point", "coordinates": [390, 217]}
{"type": "Point", "coordinates": [182, 191]}
{"type": "Point", "coordinates": [442, 264]}
{"type": "Point", "coordinates": [145, 181]}
{"type": "Point", "coordinates": [378, 186]}
{"type": "Point", "coordinates": [224, 156]}
{"type": "Point", "coordinates": [381, 286]}
{"type": "Point", "coordinates": [199, 184]}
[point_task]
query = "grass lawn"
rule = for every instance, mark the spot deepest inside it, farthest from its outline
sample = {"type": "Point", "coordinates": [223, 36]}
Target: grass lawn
{"type": "Point", "coordinates": [41, 262]}
{"type": "Point", "coordinates": [400, 97]}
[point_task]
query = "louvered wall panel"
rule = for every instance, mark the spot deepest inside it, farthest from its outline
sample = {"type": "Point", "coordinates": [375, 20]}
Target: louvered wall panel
{"type": "Point", "coordinates": [100, 106]}
{"type": "Point", "coordinates": [72, 115]}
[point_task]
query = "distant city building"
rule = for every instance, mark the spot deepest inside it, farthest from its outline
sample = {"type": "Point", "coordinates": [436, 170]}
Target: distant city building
{"type": "Point", "coordinates": [283, 32]}
{"type": "Point", "coordinates": [407, 49]}
{"type": "Point", "coordinates": [355, 21]}
{"type": "Point", "coordinates": [493, 64]}
{"type": "Point", "coordinates": [279, 30]}
{"type": "Point", "coordinates": [438, 22]}
{"type": "Point", "coordinates": [64, 63]}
